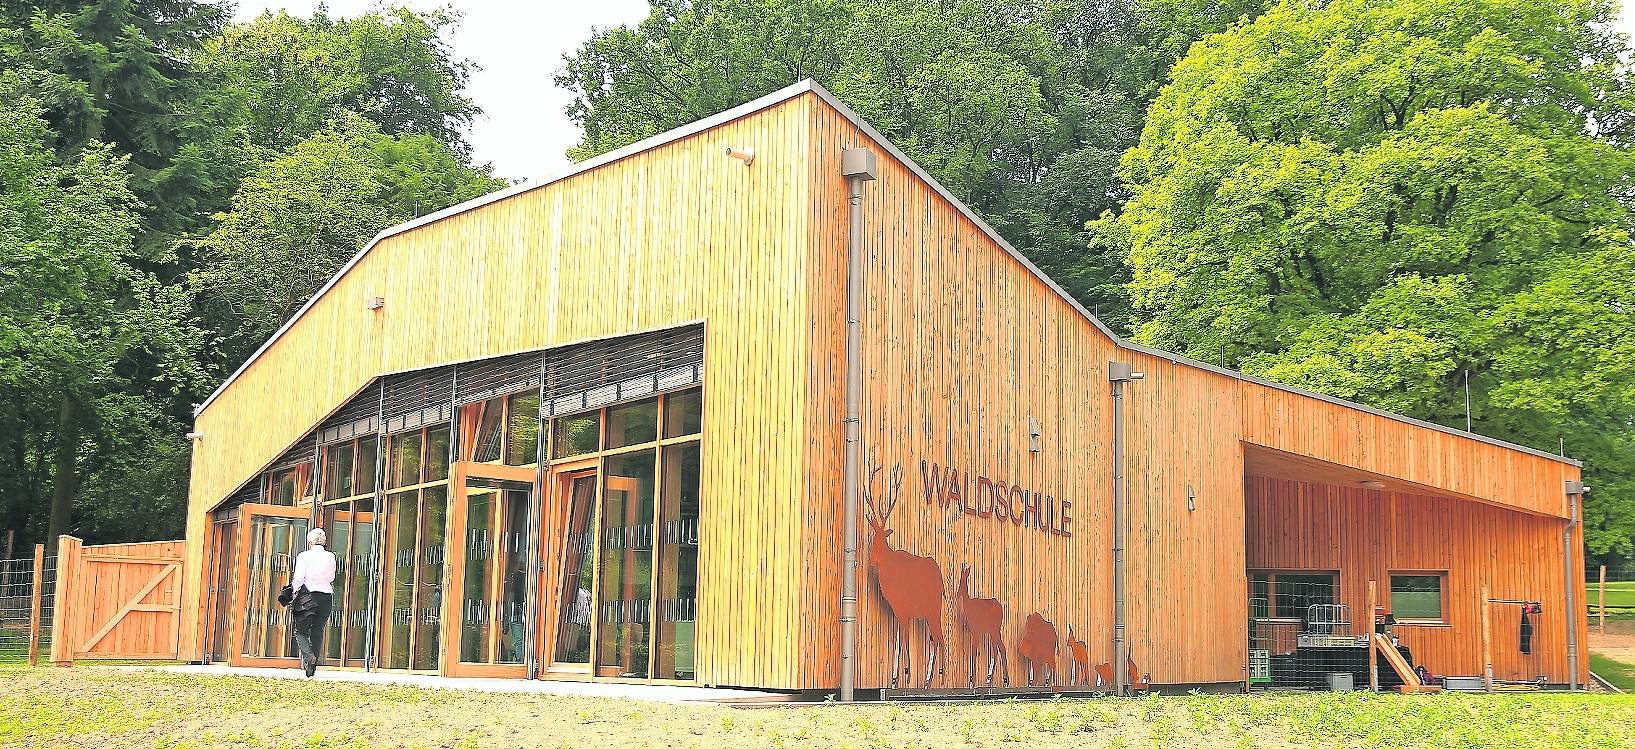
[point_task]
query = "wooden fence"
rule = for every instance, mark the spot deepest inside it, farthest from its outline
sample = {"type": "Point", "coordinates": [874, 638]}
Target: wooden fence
{"type": "Point", "coordinates": [117, 601]}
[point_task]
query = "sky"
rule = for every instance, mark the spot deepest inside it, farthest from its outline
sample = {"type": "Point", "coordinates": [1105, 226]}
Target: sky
{"type": "Point", "coordinates": [523, 130]}
{"type": "Point", "coordinates": [519, 44]}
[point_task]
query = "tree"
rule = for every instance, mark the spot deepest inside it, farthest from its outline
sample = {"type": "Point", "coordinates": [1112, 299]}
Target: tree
{"type": "Point", "coordinates": [76, 318]}
{"type": "Point", "coordinates": [288, 76]}
{"type": "Point", "coordinates": [300, 216]}
{"type": "Point", "coordinates": [1373, 199]}
{"type": "Point", "coordinates": [1020, 107]}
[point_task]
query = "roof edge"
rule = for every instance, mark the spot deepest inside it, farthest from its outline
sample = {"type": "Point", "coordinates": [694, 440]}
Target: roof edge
{"type": "Point", "coordinates": [645, 144]}
{"type": "Point", "coordinates": [776, 97]}
{"type": "Point", "coordinates": [869, 130]}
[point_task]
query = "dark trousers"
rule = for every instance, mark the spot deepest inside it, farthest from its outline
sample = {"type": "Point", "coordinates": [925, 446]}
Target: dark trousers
{"type": "Point", "coordinates": [311, 619]}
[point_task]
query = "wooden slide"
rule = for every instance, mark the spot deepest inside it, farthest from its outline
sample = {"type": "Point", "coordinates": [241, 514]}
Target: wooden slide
{"type": "Point", "coordinates": [1410, 680]}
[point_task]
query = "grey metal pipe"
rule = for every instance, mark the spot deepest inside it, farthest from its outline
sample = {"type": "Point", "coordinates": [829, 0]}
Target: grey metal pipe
{"type": "Point", "coordinates": [1567, 583]}
{"type": "Point", "coordinates": [857, 165]}
{"type": "Point", "coordinates": [1119, 373]}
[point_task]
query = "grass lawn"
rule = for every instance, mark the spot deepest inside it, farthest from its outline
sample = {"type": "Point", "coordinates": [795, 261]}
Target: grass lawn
{"type": "Point", "coordinates": [1622, 675]}
{"type": "Point", "coordinates": [85, 707]}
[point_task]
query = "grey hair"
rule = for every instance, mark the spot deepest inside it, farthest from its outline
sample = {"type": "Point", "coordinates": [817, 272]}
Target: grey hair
{"type": "Point", "coordinates": [317, 537]}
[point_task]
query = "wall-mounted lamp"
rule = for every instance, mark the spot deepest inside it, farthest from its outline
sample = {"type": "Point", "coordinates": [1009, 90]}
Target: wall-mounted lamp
{"type": "Point", "coordinates": [1192, 499]}
{"type": "Point", "coordinates": [195, 436]}
{"type": "Point", "coordinates": [1035, 443]}
{"type": "Point", "coordinates": [374, 302]}
{"type": "Point", "coordinates": [746, 155]}
{"type": "Point", "coordinates": [1372, 484]}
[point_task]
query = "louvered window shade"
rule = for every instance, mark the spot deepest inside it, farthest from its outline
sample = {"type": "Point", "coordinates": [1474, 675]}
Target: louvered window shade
{"type": "Point", "coordinates": [608, 372]}
{"type": "Point", "coordinates": [415, 399]}
{"type": "Point", "coordinates": [481, 380]}
{"type": "Point", "coordinates": [361, 415]}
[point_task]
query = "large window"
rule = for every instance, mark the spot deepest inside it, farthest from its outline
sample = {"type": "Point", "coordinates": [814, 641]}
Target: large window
{"type": "Point", "coordinates": [1418, 596]}
{"type": "Point", "coordinates": [348, 481]}
{"type": "Point", "coordinates": [640, 493]}
{"type": "Point", "coordinates": [1289, 595]}
{"type": "Point", "coordinates": [414, 533]}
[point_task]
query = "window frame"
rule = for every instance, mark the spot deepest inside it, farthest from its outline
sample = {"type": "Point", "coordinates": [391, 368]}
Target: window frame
{"type": "Point", "coordinates": [1442, 596]}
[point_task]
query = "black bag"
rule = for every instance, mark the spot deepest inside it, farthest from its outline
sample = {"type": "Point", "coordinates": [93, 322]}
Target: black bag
{"type": "Point", "coordinates": [286, 595]}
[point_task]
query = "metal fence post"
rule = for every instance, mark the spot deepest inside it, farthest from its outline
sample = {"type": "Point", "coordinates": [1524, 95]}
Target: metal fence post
{"type": "Point", "coordinates": [34, 605]}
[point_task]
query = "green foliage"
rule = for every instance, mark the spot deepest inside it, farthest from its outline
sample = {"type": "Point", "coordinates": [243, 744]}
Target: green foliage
{"type": "Point", "coordinates": [1370, 199]}
{"type": "Point", "coordinates": [147, 144]}
{"type": "Point", "coordinates": [290, 76]}
{"type": "Point", "coordinates": [297, 218]}
{"type": "Point", "coordinates": [1020, 107]}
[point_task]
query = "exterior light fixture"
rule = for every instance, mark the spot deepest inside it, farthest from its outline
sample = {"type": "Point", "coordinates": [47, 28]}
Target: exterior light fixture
{"type": "Point", "coordinates": [195, 436]}
{"type": "Point", "coordinates": [1192, 499]}
{"type": "Point", "coordinates": [375, 302]}
{"type": "Point", "coordinates": [1372, 484]}
{"type": "Point", "coordinates": [746, 155]}
{"type": "Point", "coordinates": [1034, 442]}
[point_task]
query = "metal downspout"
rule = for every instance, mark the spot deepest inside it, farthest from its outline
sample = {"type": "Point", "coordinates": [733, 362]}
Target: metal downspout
{"type": "Point", "coordinates": [858, 166]}
{"type": "Point", "coordinates": [1575, 491]}
{"type": "Point", "coordinates": [1119, 373]}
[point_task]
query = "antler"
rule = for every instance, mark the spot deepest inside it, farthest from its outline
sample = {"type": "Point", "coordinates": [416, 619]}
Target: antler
{"type": "Point", "coordinates": [893, 491]}
{"type": "Point", "coordinates": [868, 493]}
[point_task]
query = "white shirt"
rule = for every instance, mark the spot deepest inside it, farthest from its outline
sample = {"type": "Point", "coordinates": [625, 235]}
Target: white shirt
{"type": "Point", "coordinates": [314, 568]}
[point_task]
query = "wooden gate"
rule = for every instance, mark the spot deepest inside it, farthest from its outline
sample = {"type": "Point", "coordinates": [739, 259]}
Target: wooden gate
{"type": "Point", "coordinates": [118, 601]}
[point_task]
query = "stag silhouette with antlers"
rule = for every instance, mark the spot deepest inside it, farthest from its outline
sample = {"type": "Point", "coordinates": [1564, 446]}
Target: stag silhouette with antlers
{"type": "Point", "coordinates": [911, 585]}
{"type": "Point", "coordinates": [982, 619]}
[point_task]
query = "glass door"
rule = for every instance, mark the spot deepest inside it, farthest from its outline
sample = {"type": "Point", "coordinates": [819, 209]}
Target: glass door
{"type": "Point", "coordinates": [271, 536]}
{"type": "Point", "coordinates": [489, 572]}
{"type": "Point", "coordinates": [569, 530]}
{"type": "Point", "coordinates": [224, 564]}
{"type": "Point", "coordinates": [415, 534]}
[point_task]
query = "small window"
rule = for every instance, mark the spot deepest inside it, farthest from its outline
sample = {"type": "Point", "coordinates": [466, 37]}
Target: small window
{"type": "Point", "coordinates": [338, 470]}
{"type": "Point", "coordinates": [365, 482]}
{"type": "Point", "coordinates": [683, 412]}
{"type": "Point", "coordinates": [522, 433]}
{"type": "Point", "coordinates": [1417, 596]}
{"type": "Point", "coordinates": [405, 460]}
{"type": "Point", "coordinates": [437, 453]}
{"type": "Point", "coordinates": [633, 423]}
{"type": "Point", "coordinates": [576, 435]}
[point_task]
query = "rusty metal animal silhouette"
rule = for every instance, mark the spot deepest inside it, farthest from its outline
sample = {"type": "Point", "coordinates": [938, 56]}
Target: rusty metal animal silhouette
{"type": "Point", "coordinates": [982, 619]}
{"type": "Point", "coordinates": [1078, 664]}
{"type": "Point", "coordinates": [1104, 677]}
{"type": "Point", "coordinates": [1038, 648]}
{"type": "Point", "coordinates": [912, 585]}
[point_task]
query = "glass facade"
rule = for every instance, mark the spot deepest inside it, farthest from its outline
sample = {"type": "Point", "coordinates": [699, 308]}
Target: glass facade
{"type": "Point", "coordinates": [588, 564]}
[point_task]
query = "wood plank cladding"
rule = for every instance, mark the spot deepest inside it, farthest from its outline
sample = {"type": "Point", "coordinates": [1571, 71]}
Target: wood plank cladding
{"type": "Point", "coordinates": [678, 235]}
{"type": "Point", "coordinates": [1367, 535]}
{"type": "Point", "coordinates": [986, 416]}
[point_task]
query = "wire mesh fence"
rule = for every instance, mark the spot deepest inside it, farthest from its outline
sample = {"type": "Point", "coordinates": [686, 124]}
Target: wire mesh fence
{"type": "Point", "coordinates": [19, 604]}
{"type": "Point", "coordinates": [1618, 593]}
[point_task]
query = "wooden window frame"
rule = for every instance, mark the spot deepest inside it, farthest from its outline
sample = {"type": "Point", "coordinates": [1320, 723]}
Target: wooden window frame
{"type": "Point", "coordinates": [597, 460]}
{"type": "Point", "coordinates": [1442, 596]}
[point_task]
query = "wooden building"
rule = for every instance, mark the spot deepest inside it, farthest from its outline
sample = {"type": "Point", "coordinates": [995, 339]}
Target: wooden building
{"type": "Point", "coordinates": [593, 427]}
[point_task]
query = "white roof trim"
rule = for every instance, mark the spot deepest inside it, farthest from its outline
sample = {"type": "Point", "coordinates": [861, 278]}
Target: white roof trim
{"type": "Point", "coordinates": [789, 92]}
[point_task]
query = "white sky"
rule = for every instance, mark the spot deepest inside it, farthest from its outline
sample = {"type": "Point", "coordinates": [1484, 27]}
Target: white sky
{"type": "Point", "coordinates": [519, 45]}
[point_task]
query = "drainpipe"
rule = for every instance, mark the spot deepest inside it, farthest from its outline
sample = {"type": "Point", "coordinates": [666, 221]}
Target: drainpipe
{"type": "Point", "coordinates": [1575, 492]}
{"type": "Point", "coordinates": [858, 166]}
{"type": "Point", "coordinates": [1119, 373]}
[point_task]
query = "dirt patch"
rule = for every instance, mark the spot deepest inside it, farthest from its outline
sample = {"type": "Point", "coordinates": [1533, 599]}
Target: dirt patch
{"type": "Point", "coordinates": [1618, 643]}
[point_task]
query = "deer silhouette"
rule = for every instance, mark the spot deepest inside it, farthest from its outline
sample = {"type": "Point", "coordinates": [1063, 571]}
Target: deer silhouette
{"type": "Point", "coordinates": [1138, 683]}
{"type": "Point", "coordinates": [912, 585]}
{"type": "Point", "coordinates": [982, 618]}
{"type": "Point", "coordinates": [1078, 665]}
{"type": "Point", "coordinates": [1038, 648]}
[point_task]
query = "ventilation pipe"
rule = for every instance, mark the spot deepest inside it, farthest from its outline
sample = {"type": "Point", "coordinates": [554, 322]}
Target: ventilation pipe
{"type": "Point", "coordinates": [858, 166]}
{"type": "Point", "coordinates": [1119, 373]}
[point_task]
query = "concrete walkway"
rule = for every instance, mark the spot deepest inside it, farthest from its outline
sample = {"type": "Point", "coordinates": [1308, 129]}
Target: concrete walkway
{"type": "Point", "coordinates": [647, 692]}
